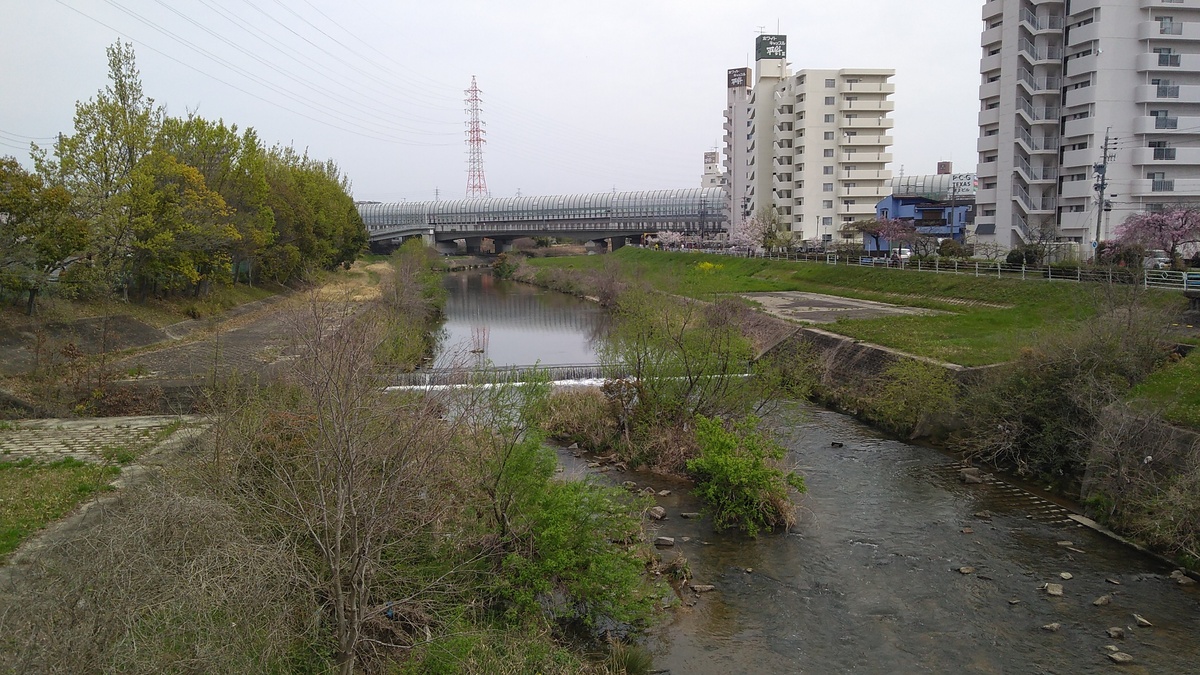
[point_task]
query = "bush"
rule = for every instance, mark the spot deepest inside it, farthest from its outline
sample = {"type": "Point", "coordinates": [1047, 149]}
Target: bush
{"type": "Point", "coordinates": [908, 391]}
{"type": "Point", "coordinates": [580, 416]}
{"type": "Point", "coordinates": [738, 477]}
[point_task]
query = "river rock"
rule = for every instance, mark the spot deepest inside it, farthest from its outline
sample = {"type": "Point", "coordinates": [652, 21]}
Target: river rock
{"type": "Point", "coordinates": [1054, 589]}
{"type": "Point", "coordinates": [703, 588]}
{"type": "Point", "coordinates": [966, 570]}
{"type": "Point", "coordinates": [1014, 601]}
{"type": "Point", "coordinates": [1113, 581]}
{"type": "Point", "coordinates": [1141, 621]}
{"type": "Point", "coordinates": [837, 444]}
{"type": "Point", "coordinates": [629, 485]}
{"type": "Point", "coordinates": [573, 446]}
{"type": "Point", "coordinates": [1052, 627]}
{"type": "Point", "coordinates": [971, 475]}
{"type": "Point", "coordinates": [1182, 578]}
{"type": "Point", "coordinates": [593, 465]}
{"type": "Point", "coordinates": [967, 530]}
{"type": "Point", "coordinates": [665, 542]}
{"type": "Point", "coordinates": [983, 515]}
{"type": "Point", "coordinates": [647, 492]}
{"type": "Point", "coordinates": [690, 514]}
{"type": "Point", "coordinates": [1066, 543]}
{"type": "Point", "coordinates": [664, 493]}
{"type": "Point", "coordinates": [1066, 576]}
{"type": "Point", "coordinates": [1112, 648]}
{"type": "Point", "coordinates": [1116, 633]}
{"type": "Point", "coordinates": [1121, 657]}
{"type": "Point", "coordinates": [1102, 600]}
{"type": "Point", "coordinates": [657, 513]}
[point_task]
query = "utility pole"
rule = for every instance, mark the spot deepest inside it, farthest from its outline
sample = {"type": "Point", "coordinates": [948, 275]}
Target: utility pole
{"type": "Point", "coordinates": [1101, 188]}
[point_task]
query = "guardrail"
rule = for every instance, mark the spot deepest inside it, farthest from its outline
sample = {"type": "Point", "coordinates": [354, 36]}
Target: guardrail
{"type": "Point", "coordinates": [1147, 278]}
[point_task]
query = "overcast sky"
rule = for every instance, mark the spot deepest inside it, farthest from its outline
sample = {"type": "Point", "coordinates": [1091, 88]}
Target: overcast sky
{"type": "Point", "coordinates": [579, 96]}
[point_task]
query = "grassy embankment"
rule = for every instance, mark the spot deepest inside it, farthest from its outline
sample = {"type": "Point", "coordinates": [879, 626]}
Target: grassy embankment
{"type": "Point", "coordinates": [984, 320]}
{"type": "Point", "coordinates": [33, 494]}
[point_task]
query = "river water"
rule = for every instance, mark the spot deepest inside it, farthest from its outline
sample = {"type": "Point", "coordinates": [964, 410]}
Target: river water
{"type": "Point", "coordinates": [869, 581]}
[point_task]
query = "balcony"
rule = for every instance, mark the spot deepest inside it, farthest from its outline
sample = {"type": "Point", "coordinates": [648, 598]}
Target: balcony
{"type": "Point", "coordinates": [1073, 158]}
{"type": "Point", "coordinates": [985, 196]}
{"type": "Point", "coordinates": [1166, 190]}
{"type": "Point", "coordinates": [989, 90]}
{"type": "Point", "coordinates": [988, 143]}
{"type": "Point", "coordinates": [1165, 156]}
{"type": "Point", "coordinates": [992, 9]}
{"type": "Point", "coordinates": [1037, 55]}
{"type": "Point", "coordinates": [860, 140]}
{"type": "Point", "coordinates": [1172, 93]}
{"type": "Point", "coordinates": [1168, 30]}
{"type": "Point", "coordinates": [1083, 34]}
{"type": "Point", "coordinates": [1165, 125]}
{"type": "Point", "coordinates": [1038, 24]}
{"type": "Point", "coordinates": [1169, 4]}
{"type": "Point", "coordinates": [874, 191]}
{"type": "Point", "coordinates": [1037, 144]}
{"type": "Point", "coordinates": [865, 174]}
{"type": "Point", "coordinates": [987, 117]}
{"type": "Point", "coordinates": [867, 87]}
{"type": "Point", "coordinates": [1038, 114]}
{"type": "Point", "coordinates": [987, 169]}
{"type": "Point", "coordinates": [1079, 127]}
{"type": "Point", "coordinates": [1044, 204]}
{"type": "Point", "coordinates": [1080, 96]}
{"type": "Point", "coordinates": [991, 36]}
{"type": "Point", "coordinates": [866, 122]}
{"type": "Point", "coordinates": [865, 158]}
{"type": "Point", "coordinates": [1035, 174]}
{"type": "Point", "coordinates": [1038, 84]}
{"type": "Point", "coordinates": [1077, 188]}
{"type": "Point", "coordinates": [870, 105]}
{"type": "Point", "coordinates": [989, 63]}
{"type": "Point", "coordinates": [1082, 65]}
{"type": "Point", "coordinates": [1168, 63]}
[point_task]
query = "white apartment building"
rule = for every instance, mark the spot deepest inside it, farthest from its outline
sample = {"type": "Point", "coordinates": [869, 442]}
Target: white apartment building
{"type": "Point", "coordinates": [813, 145]}
{"type": "Point", "coordinates": [1057, 78]}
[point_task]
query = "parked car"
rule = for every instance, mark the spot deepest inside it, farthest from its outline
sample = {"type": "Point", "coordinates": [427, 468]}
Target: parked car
{"type": "Point", "coordinates": [1157, 260]}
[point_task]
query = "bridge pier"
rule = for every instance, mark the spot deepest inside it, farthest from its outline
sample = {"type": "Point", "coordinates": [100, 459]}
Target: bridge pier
{"type": "Point", "coordinates": [619, 242]}
{"type": "Point", "coordinates": [474, 245]}
{"type": "Point", "coordinates": [501, 245]}
{"type": "Point", "coordinates": [600, 245]}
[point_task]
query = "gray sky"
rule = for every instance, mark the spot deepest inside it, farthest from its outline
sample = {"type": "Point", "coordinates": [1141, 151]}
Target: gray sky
{"type": "Point", "coordinates": [578, 96]}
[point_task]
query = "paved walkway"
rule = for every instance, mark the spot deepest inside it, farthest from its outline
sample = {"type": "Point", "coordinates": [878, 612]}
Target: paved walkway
{"type": "Point", "coordinates": [820, 308]}
{"type": "Point", "coordinates": [49, 440]}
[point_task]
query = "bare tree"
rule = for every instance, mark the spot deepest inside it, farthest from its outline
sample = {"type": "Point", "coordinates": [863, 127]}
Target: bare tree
{"type": "Point", "coordinates": [347, 470]}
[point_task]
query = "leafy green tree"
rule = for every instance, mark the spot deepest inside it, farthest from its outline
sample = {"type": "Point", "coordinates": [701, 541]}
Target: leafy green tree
{"type": "Point", "coordinates": [113, 133]}
{"type": "Point", "coordinates": [39, 233]}
{"type": "Point", "coordinates": [234, 166]}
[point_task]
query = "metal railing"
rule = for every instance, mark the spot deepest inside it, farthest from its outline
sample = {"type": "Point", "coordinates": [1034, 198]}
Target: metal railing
{"type": "Point", "coordinates": [1164, 153]}
{"type": "Point", "coordinates": [1162, 185]}
{"type": "Point", "coordinates": [1162, 122]}
{"type": "Point", "coordinates": [1169, 60]}
{"type": "Point", "coordinates": [1167, 91]}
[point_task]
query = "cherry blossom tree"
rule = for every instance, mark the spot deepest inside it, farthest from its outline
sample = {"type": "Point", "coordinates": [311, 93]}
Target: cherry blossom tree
{"type": "Point", "coordinates": [1169, 230]}
{"type": "Point", "coordinates": [757, 233]}
{"type": "Point", "coordinates": [669, 239]}
{"type": "Point", "coordinates": [892, 231]}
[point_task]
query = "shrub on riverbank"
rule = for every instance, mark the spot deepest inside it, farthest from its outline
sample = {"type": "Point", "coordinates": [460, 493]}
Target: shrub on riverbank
{"type": "Point", "coordinates": [739, 479]}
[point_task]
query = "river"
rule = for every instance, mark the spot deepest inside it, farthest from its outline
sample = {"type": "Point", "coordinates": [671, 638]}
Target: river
{"type": "Point", "coordinates": [869, 581]}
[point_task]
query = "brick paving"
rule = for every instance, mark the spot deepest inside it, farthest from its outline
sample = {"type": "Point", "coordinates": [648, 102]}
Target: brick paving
{"type": "Point", "coordinates": [49, 440]}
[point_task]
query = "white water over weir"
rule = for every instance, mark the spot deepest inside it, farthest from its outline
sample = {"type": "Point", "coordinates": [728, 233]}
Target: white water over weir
{"type": "Point", "coordinates": [583, 374]}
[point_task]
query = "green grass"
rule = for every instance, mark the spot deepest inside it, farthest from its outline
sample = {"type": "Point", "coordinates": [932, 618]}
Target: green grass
{"type": "Point", "coordinates": [965, 334]}
{"type": "Point", "coordinates": [33, 495]}
{"type": "Point", "coordinates": [1175, 390]}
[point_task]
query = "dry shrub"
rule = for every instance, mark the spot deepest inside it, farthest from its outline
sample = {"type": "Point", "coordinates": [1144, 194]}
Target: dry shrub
{"type": "Point", "coordinates": [164, 579]}
{"type": "Point", "coordinates": [581, 416]}
{"type": "Point", "coordinates": [1144, 480]}
{"type": "Point", "coordinates": [666, 448]}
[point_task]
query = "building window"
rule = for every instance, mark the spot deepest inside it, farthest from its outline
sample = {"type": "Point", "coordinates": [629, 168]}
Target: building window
{"type": "Point", "coordinates": [831, 83]}
{"type": "Point", "coordinates": [827, 221]}
{"type": "Point", "coordinates": [829, 135]}
{"type": "Point", "coordinates": [826, 187]}
{"type": "Point", "coordinates": [828, 100]}
{"type": "Point", "coordinates": [827, 170]}
{"type": "Point", "coordinates": [827, 203]}
{"type": "Point", "coordinates": [828, 152]}
{"type": "Point", "coordinates": [829, 119]}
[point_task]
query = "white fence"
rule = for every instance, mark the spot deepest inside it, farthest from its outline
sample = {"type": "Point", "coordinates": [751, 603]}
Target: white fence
{"type": "Point", "coordinates": [1165, 279]}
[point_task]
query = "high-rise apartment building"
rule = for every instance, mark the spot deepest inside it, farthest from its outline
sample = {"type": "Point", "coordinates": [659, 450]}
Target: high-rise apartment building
{"type": "Point", "coordinates": [1058, 78]}
{"type": "Point", "coordinates": [812, 145]}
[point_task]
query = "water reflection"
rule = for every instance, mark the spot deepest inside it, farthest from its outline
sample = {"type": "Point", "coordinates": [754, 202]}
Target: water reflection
{"type": "Point", "coordinates": [513, 324]}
